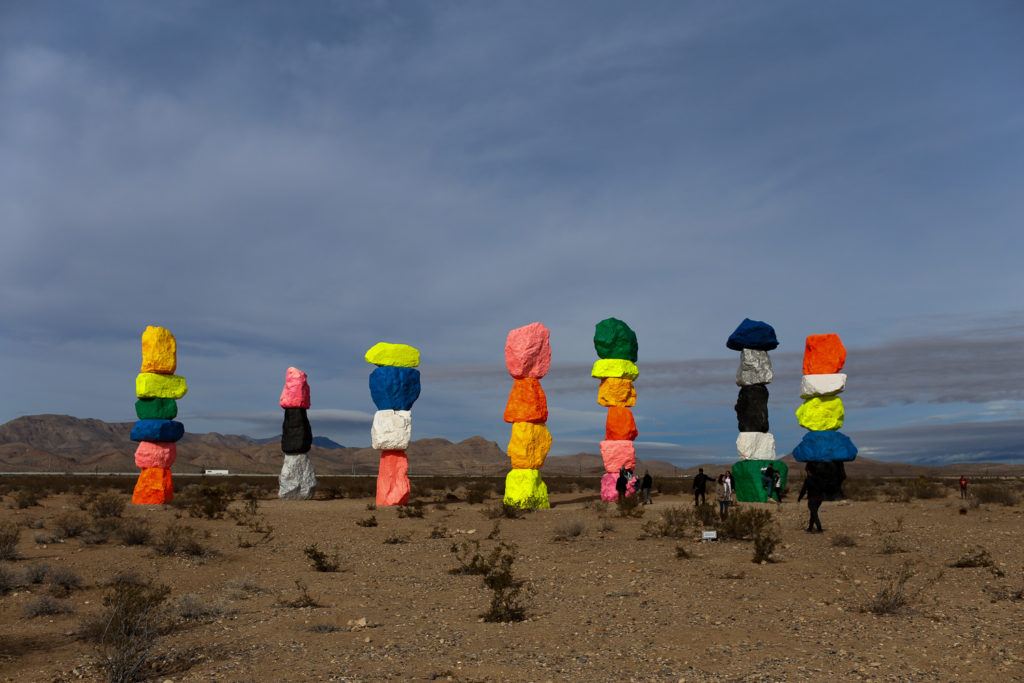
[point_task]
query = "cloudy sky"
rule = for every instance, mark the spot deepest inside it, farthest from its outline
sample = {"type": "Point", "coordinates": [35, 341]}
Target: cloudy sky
{"type": "Point", "coordinates": [286, 184]}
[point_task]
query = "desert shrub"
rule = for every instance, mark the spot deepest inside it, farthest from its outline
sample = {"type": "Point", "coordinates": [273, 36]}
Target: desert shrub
{"type": "Point", "coordinates": [190, 607]}
{"type": "Point", "coordinates": [370, 521]}
{"type": "Point", "coordinates": [862, 489]}
{"type": "Point", "coordinates": [302, 599]}
{"type": "Point", "coordinates": [706, 514]}
{"type": "Point", "coordinates": [976, 557]}
{"type": "Point", "coordinates": [744, 522]}
{"type": "Point", "coordinates": [438, 532]}
{"type": "Point", "coordinates": [126, 576]}
{"type": "Point", "coordinates": [897, 493]}
{"type": "Point", "coordinates": [396, 539]}
{"type": "Point", "coordinates": [70, 524]}
{"type": "Point", "coordinates": [410, 511]}
{"type": "Point", "coordinates": [252, 519]}
{"type": "Point", "coordinates": [36, 523]}
{"type": "Point", "coordinates": [126, 629]}
{"type": "Point", "coordinates": [498, 510]}
{"type": "Point", "coordinates": [843, 541]}
{"type": "Point", "coordinates": [178, 539]}
{"type": "Point", "coordinates": [891, 545]}
{"type": "Point", "coordinates": [995, 494]}
{"type": "Point", "coordinates": [371, 506]}
{"type": "Point", "coordinates": [605, 526]}
{"type": "Point", "coordinates": [105, 504]}
{"type": "Point", "coordinates": [682, 553]}
{"type": "Point", "coordinates": [669, 486]}
{"type": "Point", "coordinates": [673, 522]}
{"type": "Point", "coordinates": [8, 581]}
{"type": "Point", "coordinates": [629, 506]}
{"type": "Point", "coordinates": [322, 562]}
{"type": "Point", "coordinates": [478, 492]}
{"type": "Point", "coordinates": [9, 533]}
{"type": "Point", "coordinates": [26, 498]}
{"type": "Point", "coordinates": [35, 574]}
{"type": "Point", "coordinates": [506, 599]}
{"type": "Point", "coordinates": [598, 506]}
{"type": "Point", "coordinates": [45, 606]}
{"type": "Point", "coordinates": [205, 501]}
{"type": "Point", "coordinates": [765, 540]}
{"type": "Point", "coordinates": [495, 532]}
{"type": "Point", "coordinates": [567, 530]}
{"type": "Point", "coordinates": [894, 592]}
{"type": "Point", "coordinates": [62, 581]}
{"type": "Point", "coordinates": [925, 489]}
{"type": "Point", "coordinates": [134, 531]}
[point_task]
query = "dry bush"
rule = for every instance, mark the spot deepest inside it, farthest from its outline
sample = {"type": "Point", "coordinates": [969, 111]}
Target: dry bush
{"type": "Point", "coordinates": [926, 489]}
{"type": "Point", "coordinates": [506, 599]}
{"type": "Point", "coordinates": [178, 539]}
{"type": "Point", "coordinates": [765, 540]}
{"type": "Point", "coordinates": [862, 489]}
{"type": "Point", "coordinates": [568, 530]}
{"type": "Point", "coordinates": [45, 606]}
{"type": "Point", "coordinates": [192, 608]}
{"type": "Point", "coordinates": [9, 533]}
{"type": "Point", "coordinates": [896, 493]}
{"type": "Point", "coordinates": [673, 522]}
{"type": "Point", "coordinates": [413, 511]}
{"type": "Point", "coordinates": [35, 574]}
{"type": "Point", "coordinates": [629, 506]}
{"type": "Point", "coordinates": [598, 506]}
{"type": "Point", "coordinates": [478, 492]}
{"type": "Point", "coordinates": [105, 504]}
{"type": "Point", "coordinates": [134, 531]}
{"type": "Point", "coordinates": [843, 541]}
{"type": "Point", "coordinates": [126, 629]}
{"type": "Point", "coordinates": [894, 592]}
{"type": "Point", "coordinates": [70, 524]}
{"type": "Point", "coordinates": [706, 514]}
{"type": "Point", "coordinates": [744, 522]}
{"type": "Point", "coordinates": [302, 600]}
{"type": "Point", "coordinates": [670, 486]}
{"type": "Point", "coordinates": [976, 557]}
{"type": "Point", "coordinates": [396, 539]}
{"type": "Point", "coordinates": [439, 531]}
{"type": "Point", "coordinates": [205, 501]}
{"type": "Point", "coordinates": [370, 521]}
{"type": "Point", "coordinates": [467, 553]}
{"type": "Point", "coordinates": [891, 546]}
{"type": "Point", "coordinates": [682, 553]}
{"type": "Point", "coordinates": [995, 494]}
{"type": "Point", "coordinates": [495, 533]}
{"type": "Point", "coordinates": [322, 562]}
{"type": "Point", "coordinates": [498, 510]}
{"type": "Point", "coordinates": [605, 526]}
{"type": "Point", "coordinates": [26, 498]}
{"type": "Point", "coordinates": [8, 581]}
{"type": "Point", "coordinates": [62, 581]}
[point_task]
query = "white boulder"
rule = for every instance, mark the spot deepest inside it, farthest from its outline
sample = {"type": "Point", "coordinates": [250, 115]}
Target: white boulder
{"type": "Point", "coordinates": [391, 430]}
{"type": "Point", "coordinates": [755, 368]}
{"type": "Point", "coordinates": [756, 445]}
{"type": "Point", "coordinates": [297, 480]}
{"type": "Point", "coordinates": [822, 385]}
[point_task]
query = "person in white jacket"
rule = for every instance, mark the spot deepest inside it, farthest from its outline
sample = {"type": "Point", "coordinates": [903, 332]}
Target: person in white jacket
{"type": "Point", "coordinates": [724, 493]}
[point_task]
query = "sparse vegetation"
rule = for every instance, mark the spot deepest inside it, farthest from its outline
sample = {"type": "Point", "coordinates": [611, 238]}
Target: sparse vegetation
{"type": "Point", "coordinates": [192, 608]}
{"type": "Point", "coordinates": [45, 606]}
{"type": "Point", "coordinates": [568, 530]}
{"type": "Point", "coordinates": [35, 574]}
{"type": "Point", "coordinates": [478, 492]}
{"type": "Point", "coordinates": [682, 553]}
{"type": "Point", "coordinates": [995, 494]}
{"type": "Point", "coordinates": [105, 504]}
{"type": "Point", "coordinates": [439, 532]}
{"type": "Point", "coordinates": [467, 553]}
{"type": "Point", "coordinates": [629, 506]}
{"type": "Point", "coordinates": [8, 581]}
{"type": "Point", "coordinates": [370, 521]}
{"type": "Point", "coordinates": [205, 501]}
{"type": "Point", "coordinates": [498, 510]}
{"type": "Point", "coordinates": [843, 541]}
{"type": "Point", "coordinates": [179, 539]}
{"type": "Point", "coordinates": [322, 562]}
{"type": "Point", "coordinates": [26, 498]}
{"type": "Point", "coordinates": [673, 522]}
{"type": "Point", "coordinates": [410, 511]}
{"type": "Point", "coordinates": [134, 531]}
{"type": "Point", "coordinates": [9, 533]}
{"type": "Point", "coordinates": [396, 539]}
{"type": "Point", "coordinates": [891, 546]}
{"type": "Point", "coordinates": [62, 581]}
{"type": "Point", "coordinates": [506, 599]}
{"type": "Point", "coordinates": [765, 540]}
{"type": "Point", "coordinates": [302, 600]}
{"type": "Point", "coordinates": [974, 558]}
{"type": "Point", "coordinates": [894, 592]}
{"type": "Point", "coordinates": [70, 524]}
{"type": "Point", "coordinates": [744, 522]}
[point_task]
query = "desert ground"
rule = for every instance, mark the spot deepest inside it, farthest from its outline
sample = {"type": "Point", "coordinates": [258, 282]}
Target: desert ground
{"type": "Point", "coordinates": [606, 597]}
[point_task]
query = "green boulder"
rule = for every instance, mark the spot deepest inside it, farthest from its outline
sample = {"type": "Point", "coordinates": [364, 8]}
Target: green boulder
{"type": "Point", "coordinates": [156, 408]}
{"type": "Point", "coordinates": [748, 480]}
{"type": "Point", "coordinates": [615, 339]}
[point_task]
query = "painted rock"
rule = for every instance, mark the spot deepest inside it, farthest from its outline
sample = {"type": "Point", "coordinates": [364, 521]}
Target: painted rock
{"type": "Point", "coordinates": [753, 334]}
{"type": "Point", "coordinates": [156, 409]}
{"type": "Point", "coordinates": [152, 385]}
{"type": "Point", "coordinates": [755, 368]}
{"type": "Point", "coordinates": [155, 454]}
{"type": "Point", "coordinates": [393, 478]}
{"type": "Point", "coordinates": [756, 445]}
{"type": "Point", "coordinates": [159, 351]}
{"type": "Point", "coordinates": [529, 445]}
{"type": "Point", "coordinates": [608, 492]}
{"type": "Point", "coordinates": [614, 367]}
{"type": "Point", "coordinates": [752, 408]}
{"type": "Point", "coordinates": [157, 430]}
{"type": "Point", "coordinates": [393, 355]}
{"type": "Point", "coordinates": [821, 414]}
{"type": "Point", "coordinates": [296, 390]}
{"type": "Point", "coordinates": [525, 489]}
{"type": "Point", "coordinates": [296, 432]}
{"type": "Point", "coordinates": [615, 391]}
{"type": "Point", "coordinates": [619, 425]}
{"type": "Point", "coordinates": [824, 354]}
{"type": "Point", "coordinates": [528, 351]}
{"type": "Point", "coordinates": [154, 487]}
{"type": "Point", "coordinates": [391, 430]}
{"type": "Point", "coordinates": [526, 402]}
{"type": "Point", "coordinates": [297, 480]}
{"type": "Point", "coordinates": [749, 477]}
{"type": "Point", "coordinates": [618, 454]}
{"type": "Point", "coordinates": [822, 385]}
{"type": "Point", "coordinates": [615, 339]}
{"type": "Point", "coordinates": [831, 474]}
{"type": "Point", "coordinates": [820, 446]}
{"type": "Point", "coordinates": [394, 388]}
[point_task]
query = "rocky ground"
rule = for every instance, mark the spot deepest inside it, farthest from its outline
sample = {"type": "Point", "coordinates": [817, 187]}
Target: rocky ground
{"type": "Point", "coordinates": [613, 604]}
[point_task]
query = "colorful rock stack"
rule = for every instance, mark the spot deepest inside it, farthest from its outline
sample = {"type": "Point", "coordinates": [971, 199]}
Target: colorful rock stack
{"type": "Point", "coordinates": [528, 359]}
{"type": "Point", "coordinates": [157, 389]}
{"type": "Point", "coordinates": [297, 480]}
{"type": "Point", "coordinates": [616, 346]}
{"type": "Point", "coordinates": [824, 447]}
{"type": "Point", "coordinates": [394, 387]}
{"type": "Point", "coordinates": [755, 443]}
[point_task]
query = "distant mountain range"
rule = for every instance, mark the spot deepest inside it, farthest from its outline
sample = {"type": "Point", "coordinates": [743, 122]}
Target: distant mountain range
{"type": "Point", "coordinates": [61, 443]}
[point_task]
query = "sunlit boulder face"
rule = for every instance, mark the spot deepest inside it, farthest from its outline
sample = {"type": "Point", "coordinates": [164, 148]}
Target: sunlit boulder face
{"type": "Point", "coordinates": [391, 430]}
{"type": "Point", "coordinates": [393, 479]}
{"type": "Point", "coordinates": [528, 351]}
{"type": "Point", "coordinates": [297, 480]}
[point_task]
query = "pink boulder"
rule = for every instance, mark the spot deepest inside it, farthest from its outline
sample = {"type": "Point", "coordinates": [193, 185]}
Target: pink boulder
{"type": "Point", "coordinates": [393, 479]}
{"type": "Point", "coordinates": [608, 492]}
{"type": "Point", "coordinates": [618, 454]}
{"type": "Point", "coordinates": [155, 454]}
{"type": "Point", "coordinates": [528, 351]}
{"type": "Point", "coordinates": [296, 390]}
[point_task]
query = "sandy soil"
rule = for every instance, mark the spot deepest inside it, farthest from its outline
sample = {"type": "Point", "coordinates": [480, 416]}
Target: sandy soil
{"type": "Point", "coordinates": [608, 606]}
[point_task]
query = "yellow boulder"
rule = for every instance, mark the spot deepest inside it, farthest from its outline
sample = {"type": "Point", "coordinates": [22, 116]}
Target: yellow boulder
{"type": "Point", "coordinates": [821, 414]}
{"type": "Point", "coordinates": [616, 391]}
{"type": "Point", "coordinates": [615, 367]}
{"type": "Point", "coordinates": [529, 445]}
{"type": "Point", "coordinates": [159, 351]}
{"type": "Point", "coordinates": [525, 489]}
{"type": "Point", "coordinates": [152, 385]}
{"type": "Point", "coordinates": [393, 355]}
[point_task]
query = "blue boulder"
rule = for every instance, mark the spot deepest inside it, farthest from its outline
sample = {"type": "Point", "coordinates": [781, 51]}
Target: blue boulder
{"type": "Point", "coordinates": [753, 334]}
{"type": "Point", "coordinates": [157, 430]}
{"type": "Point", "coordinates": [394, 388]}
{"type": "Point", "coordinates": [825, 446]}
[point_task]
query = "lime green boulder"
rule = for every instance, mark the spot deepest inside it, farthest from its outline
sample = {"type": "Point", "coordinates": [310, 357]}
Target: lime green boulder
{"type": "Point", "coordinates": [750, 480]}
{"type": "Point", "coordinates": [615, 339]}
{"type": "Point", "coordinates": [152, 385]}
{"type": "Point", "coordinates": [525, 489]}
{"type": "Point", "coordinates": [821, 414]}
{"type": "Point", "coordinates": [156, 408]}
{"type": "Point", "coordinates": [386, 354]}
{"type": "Point", "coordinates": [615, 367]}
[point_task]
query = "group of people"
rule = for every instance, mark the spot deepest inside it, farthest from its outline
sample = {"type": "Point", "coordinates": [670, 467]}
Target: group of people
{"type": "Point", "coordinates": [771, 480]}
{"type": "Point", "coordinates": [628, 477]}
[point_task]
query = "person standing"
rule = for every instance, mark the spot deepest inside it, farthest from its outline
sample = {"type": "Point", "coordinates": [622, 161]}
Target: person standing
{"type": "Point", "coordinates": [768, 482]}
{"type": "Point", "coordinates": [815, 492]}
{"type": "Point", "coordinates": [700, 487]}
{"type": "Point", "coordinates": [724, 492]}
{"type": "Point", "coordinates": [645, 487]}
{"type": "Point", "coordinates": [777, 486]}
{"type": "Point", "coordinates": [621, 482]}
{"type": "Point", "coordinates": [963, 486]}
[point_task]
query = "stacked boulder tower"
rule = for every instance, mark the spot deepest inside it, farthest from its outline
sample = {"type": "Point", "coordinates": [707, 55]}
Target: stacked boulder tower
{"type": "Point", "coordinates": [157, 389]}
{"type": "Point", "coordinates": [394, 387]}
{"type": "Point", "coordinates": [527, 359]}
{"type": "Point", "coordinates": [616, 346]}
{"type": "Point", "coordinates": [297, 480]}
{"type": "Point", "coordinates": [755, 443]}
{"type": "Point", "coordinates": [824, 448]}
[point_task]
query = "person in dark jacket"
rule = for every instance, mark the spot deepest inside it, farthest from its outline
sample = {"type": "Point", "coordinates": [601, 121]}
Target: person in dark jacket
{"type": "Point", "coordinates": [621, 482]}
{"type": "Point", "coordinates": [815, 493]}
{"type": "Point", "coordinates": [645, 487]}
{"type": "Point", "coordinates": [700, 487]}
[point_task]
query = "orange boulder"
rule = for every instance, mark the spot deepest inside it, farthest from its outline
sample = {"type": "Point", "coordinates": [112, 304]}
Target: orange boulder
{"type": "Point", "coordinates": [616, 391]}
{"type": "Point", "coordinates": [526, 402]}
{"type": "Point", "coordinates": [393, 479]}
{"type": "Point", "coordinates": [154, 487]}
{"type": "Point", "coordinates": [824, 354]}
{"type": "Point", "coordinates": [620, 425]}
